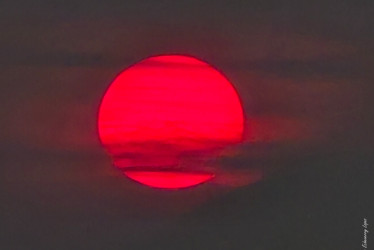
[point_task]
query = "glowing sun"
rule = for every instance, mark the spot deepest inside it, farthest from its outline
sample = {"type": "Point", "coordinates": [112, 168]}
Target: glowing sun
{"type": "Point", "coordinates": [161, 118]}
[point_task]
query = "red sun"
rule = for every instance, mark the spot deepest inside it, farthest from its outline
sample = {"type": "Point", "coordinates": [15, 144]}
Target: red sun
{"type": "Point", "coordinates": [161, 118]}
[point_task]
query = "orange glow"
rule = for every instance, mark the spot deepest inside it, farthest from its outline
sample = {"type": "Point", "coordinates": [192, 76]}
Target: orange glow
{"type": "Point", "coordinates": [164, 110]}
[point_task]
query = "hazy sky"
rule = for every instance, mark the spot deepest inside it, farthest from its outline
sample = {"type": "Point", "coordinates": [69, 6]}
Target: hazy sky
{"type": "Point", "coordinates": [303, 71]}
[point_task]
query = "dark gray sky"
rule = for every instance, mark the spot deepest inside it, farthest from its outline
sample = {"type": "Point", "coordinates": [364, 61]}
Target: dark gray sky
{"type": "Point", "coordinates": [304, 74]}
